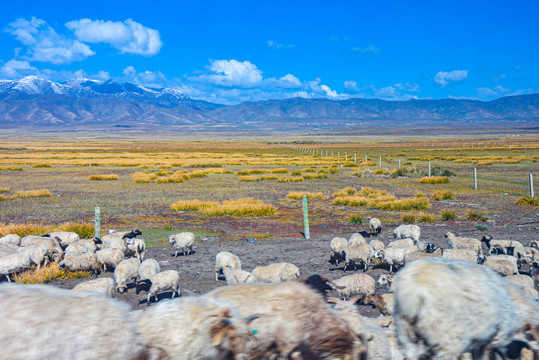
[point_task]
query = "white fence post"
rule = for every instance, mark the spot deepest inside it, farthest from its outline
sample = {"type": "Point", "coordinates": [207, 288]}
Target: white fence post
{"type": "Point", "coordinates": [532, 194]}
{"type": "Point", "coordinates": [475, 178]}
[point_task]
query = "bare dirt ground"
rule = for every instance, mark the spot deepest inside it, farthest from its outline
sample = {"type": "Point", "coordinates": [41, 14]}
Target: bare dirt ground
{"type": "Point", "coordinates": [311, 256]}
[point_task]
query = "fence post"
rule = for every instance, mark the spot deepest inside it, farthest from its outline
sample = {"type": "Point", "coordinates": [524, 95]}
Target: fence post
{"type": "Point", "coordinates": [365, 158]}
{"type": "Point", "coordinates": [429, 168]}
{"type": "Point", "coordinates": [331, 153]}
{"type": "Point", "coordinates": [306, 218]}
{"type": "Point", "coordinates": [532, 194]}
{"type": "Point", "coordinates": [355, 157]}
{"type": "Point", "coordinates": [380, 162]}
{"type": "Point", "coordinates": [474, 178]}
{"type": "Point", "coordinates": [345, 156]}
{"type": "Point", "coordinates": [97, 222]}
{"type": "Point", "coordinates": [399, 163]}
{"type": "Point", "coordinates": [338, 154]}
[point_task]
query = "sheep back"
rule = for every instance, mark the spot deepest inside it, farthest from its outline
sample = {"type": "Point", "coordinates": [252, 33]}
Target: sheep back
{"type": "Point", "coordinates": [148, 268]}
{"type": "Point", "coordinates": [10, 239]}
{"type": "Point", "coordinates": [357, 284]}
{"type": "Point", "coordinates": [101, 286]}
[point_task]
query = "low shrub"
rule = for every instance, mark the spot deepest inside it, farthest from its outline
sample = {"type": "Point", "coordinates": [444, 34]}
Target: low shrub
{"type": "Point", "coordinates": [476, 216]}
{"type": "Point", "coordinates": [279, 171]}
{"type": "Point", "coordinates": [356, 219]}
{"type": "Point", "coordinates": [399, 172]}
{"type": "Point", "coordinates": [47, 273]}
{"type": "Point", "coordinates": [427, 218]}
{"type": "Point", "coordinates": [197, 174]}
{"type": "Point", "coordinates": [448, 215]}
{"type": "Point", "coordinates": [345, 192]}
{"type": "Point", "coordinates": [527, 201]}
{"type": "Point", "coordinates": [249, 178]}
{"type": "Point", "coordinates": [10, 168]}
{"type": "Point", "coordinates": [296, 179]}
{"type": "Point", "coordinates": [298, 195]}
{"type": "Point", "coordinates": [142, 177]}
{"type": "Point", "coordinates": [269, 177]}
{"type": "Point", "coordinates": [442, 195]}
{"type": "Point", "coordinates": [295, 173]}
{"type": "Point", "coordinates": [240, 207]}
{"type": "Point", "coordinates": [408, 218]}
{"type": "Point", "coordinates": [33, 193]}
{"type": "Point", "coordinates": [438, 171]}
{"type": "Point", "coordinates": [368, 163]}
{"type": "Point", "coordinates": [103, 177]}
{"type": "Point", "coordinates": [434, 180]}
{"type": "Point", "coordinates": [192, 205]}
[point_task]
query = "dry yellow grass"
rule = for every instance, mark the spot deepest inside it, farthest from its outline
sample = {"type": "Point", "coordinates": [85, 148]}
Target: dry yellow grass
{"type": "Point", "coordinates": [197, 174]}
{"type": "Point", "coordinates": [368, 163]}
{"type": "Point", "coordinates": [24, 229]}
{"type": "Point", "coordinates": [442, 195]}
{"type": "Point", "coordinates": [269, 177]}
{"type": "Point", "coordinates": [44, 165]}
{"type": "Point", "coordinates": [48, 273]}
{"type": "Point", "coordinates": [279, 171]}
{"type": "Point", "coordinates": [33, 193]}
{"type": "Point", "coordinates": [249, 178]}
{"type": "Point", "coordinates": [177, 177]}
{"type": "Point", "coordinates": [379, 199]}
{"type": "Point", "coordinates": [85, 230]}
{"type": "Point", "coordinates": [105, 177]}
{"type": "Point", "coordinates": [10, 168]}
{"type": "Point", "coordinates": [192, 205]}
{"type": "Point", "coordinates": [4, 190]}
{"type": "Point", "coordinates": [434, 180]}
{"type": "Point", "coordinates": [527, 201]}
{"type": "Point", "coordinates": [298, 195]}
{"type": "Point", "coordinates": [296, 178]}
{"type": "Point", "coordinates": [427, 218]}
{"type": "Point", "coordinates": [345, 192]}
{"type": "Point", "coordinates": [142, 177]}
{"type": "Point", "coordinates": [240, 207]}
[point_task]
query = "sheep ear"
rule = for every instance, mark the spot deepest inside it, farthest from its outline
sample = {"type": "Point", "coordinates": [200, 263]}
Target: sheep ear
{"type": "Point", "coordinates": [252, 317]}
{"type": "Point", "coordinates": [333, 300]}
{"type": "Point", "coordinates": [219, 330]}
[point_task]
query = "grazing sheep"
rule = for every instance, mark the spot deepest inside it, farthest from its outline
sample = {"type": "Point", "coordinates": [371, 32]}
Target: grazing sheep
{"type": "Point", "coordinates": [337, 244]}
{"type": "Point", "coordinates": [118, 243]}
{"type": "Point", "coordinates": [10, 239]}
{"type": "Point", "coordinates": [82, 246]}
{"type": "Point", "coordinates": [110, 257]}
{"type": "Point", "coordinates": [393, 256]}
{"type": "Point", "coordinates": [384, 302]}
{"type": "Point", "coordinates": [65, 238]}
{"type": "Point", "coordinates": [125, 272]}
{"type": "Point", "coordinates": [195, 328]}
{"type": "Point", "coordinates": [136, 247]}
{"type": "Point", "coordinates": [101, 286]}
{"type": "Point", "coordinates": [503, 264]}
{"type": "Point", "coordinates": [8, 249]}
{"type": "Point", "coordinates": [482, 316]}
{"type": "Point", "coordinates": [148, 268]}
{"type": "Point", "coordinates": [357, 284]}
{"type": "Point", "coordinates": [356, 239]}
{"type": "Point", "coordinates": [121, 234]}
{"type": "Point", "coordinates": [401, 243]}
{"type": "Point", "coordinates": [50, 243]}
{"type": "Point", "coordinates": [407, 231]}
{"type": "Point", "coordinates": [183, 241]}
{"type": "Point", "coordinates": [288, 271]}
{"type": "Point", "coordinates": [525, 255]}
{"type": "Point", "coordinates": [290, 325]}
{"type": "Point", "coordinates": [234, 276]}
{"type": "Point", "coordinates": [14, 263]}
{"type": "Point", "coordinates": [226, 259]}
{"type": "Point", "coordinates": [457, 242]}
{"type": "Point", "coordinates": [44, 322]}
{"type": "Point", "coordinates": [487, 239]}
{"type": "Point", "coordinates": [161, 282]}
{"type": "Point", "coordinates": [320, 284]}
{"type": "Point", "coordinates": [520, 280]}
{"type": "Point", "coordinates": [425, 247]}
{"type": "Point", "coordinates": [80, 262]}
{"type": "Point", "coordinates": [376, 245]}
{"type": "Point", "coordinates": [418, 255]}
{"type": "Point", "coordinates": [386, 280]}
{"type": "Point", "coordinates": [461, 254]}
{"type": "Point", "coordinates": [375, 226]}
{"type": "Point", "coordinates": [39, 255]}
{"type": "Point", "coordinates": [357, 255]}
{"type": "Point", "coordinates": [267, 274]}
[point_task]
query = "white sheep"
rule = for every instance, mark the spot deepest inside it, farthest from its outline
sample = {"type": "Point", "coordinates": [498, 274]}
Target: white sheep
{"type": "Point", "coordinates": [356, 239]}
{"type": "Point", "coordinates": [357, 284]}
{"type": "Point", "coordinates": [400, 243]}
{"type": "Point", "coordinates": [357, 255]}
{"type": "Point", "coordinates": [110, 257]}
{"type": "Point", "coordinates": [393, 256]}
{"type": "Point", "coordinates": [65, 238]}
{"type": "Point", "coordinates": [14, 263]}
{"type": "Point", "coordinates": [376, 245]}
{"type": "Point", "coordinates": [195, 328]}
{"type": "Point", "coordinates": [52, 323]}
{"type": "Point", "coordinates": [126, 272]}
{"type": "Point", "coordinates": [520, 280]}
{"type": "Point", "coordinates": [457, 242]}
{"type": "Point", "coordinates": [234, 276]}
{"type": "Point", "coordinates": [183, 241]}
{"type": "Point", "coordinates": [80, 262]}
{"type": "Point", "coordinates": [136, 247]}
{"type": "Point", "coordinates": [50, 243]}
{"type": "Point", "coordinates": [444, 308]}
{"type": "Point", "coordinates": [386, 280]}
{"type": "Point", "coordinates": [503, 264]}
{"type": "Point", "coordinates": [287, 272]}
{"type": "Point", "coordinates": [461, 254]}
{"type": "Point", "coordinates": [487, 239]}
{"type": "Point", "coordinates": [418, 255]}
{"type": "Point", "coordinates": [337, 245]}
{"type": "Point", "coordinates": [81, 246]}
{"type": "Point", "coordinates": [226, 259]}
{"type": "Point", "coordinates": [39, 254]}
{"type": "Point", "coordinates": [168, 280]}
{"type": "Point", "coordinates": [375, 226]}
{"type": "Point", "coordinates": [407, 231]}
{"type": "Point", "coordinates": [8, 249]}
{"type": "Point", "coordinates": [148, 268]}
{"type": "Point", "coordinates": [10, 239]}
{"type": "Point", "coordinates": [526, 307]}
{"type": "Point", "coordinates": [101, 286]}
{"type": "Point", "coordinates": [267, 274]}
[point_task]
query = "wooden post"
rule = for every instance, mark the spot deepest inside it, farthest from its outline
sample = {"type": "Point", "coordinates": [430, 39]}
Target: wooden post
{"type": "Point", "coordinates": [532, 194]}
{"type": "Point", "coordinates": [306, 218]}
{"type": "Point", "coordinates": [474, 178]}
{"type": "Point", "coordinates": [429, 168]}
{"type": "Point", "coordinates": [97, 222]}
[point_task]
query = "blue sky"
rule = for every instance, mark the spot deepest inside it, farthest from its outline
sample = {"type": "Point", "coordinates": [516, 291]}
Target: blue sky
{"type": "Point", "coordinates": [234, 51]}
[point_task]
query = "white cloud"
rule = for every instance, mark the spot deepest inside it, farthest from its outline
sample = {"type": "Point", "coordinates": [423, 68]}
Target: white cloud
{"type": "Point", "coordinates": [371, 49]}
{"type": "Point", "coordinates": [443, 78]}
{"type": "Point", "coordinates": [16, 69]}
{"type": "Point", "coordinates": [128, 36]}
{"type": "Point", "coordinates": [231, 73]}
{"type": "Point", "coordinates": [45, 45]}
{"type": "Point", "coordinates": [351, 86]}
{"type": "Point", "coordinates": [275, 45]}
{"type": "Point", "coordinates": [154, 79]}
{"type": "Point", "coordinates": [407, 87]}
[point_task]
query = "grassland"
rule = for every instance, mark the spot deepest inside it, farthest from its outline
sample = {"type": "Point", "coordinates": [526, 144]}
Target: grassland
{"type": "Point", "coordinates": [149, 177]}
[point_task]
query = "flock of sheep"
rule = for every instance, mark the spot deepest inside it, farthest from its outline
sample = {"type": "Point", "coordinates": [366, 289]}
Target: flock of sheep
{"type": "Point", "coordinates": [442, 303]}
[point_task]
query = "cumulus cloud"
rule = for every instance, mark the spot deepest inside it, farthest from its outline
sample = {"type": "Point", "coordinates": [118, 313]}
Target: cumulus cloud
{"type": "Point", "coordinates": [231, 73]}
{"type": "Point", "coordinates": [45, 45]}
{"type": "Point", "coordinates": [128, 36]}
{"type": "Point", "coordinates": [443, 78]}
{"type": "Point", "coordinates": [155, 79]}
{"type": "Point", "coordinates": [275, 45]}
{"type": "Point", "coordinates": [351, 86]}
{"type": "Point", "coordinates": [16, 69]}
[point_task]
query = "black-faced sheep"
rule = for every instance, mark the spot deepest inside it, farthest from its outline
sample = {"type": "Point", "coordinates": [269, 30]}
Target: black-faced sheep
{"type": "Point", "coordinates": [375, 226]}
{"type": "Point", "coordinates": [135, 247]}
{"type": "Point", "coordinates": [457, 242]}
{"type": "Point", "coordinates": [394, 257]}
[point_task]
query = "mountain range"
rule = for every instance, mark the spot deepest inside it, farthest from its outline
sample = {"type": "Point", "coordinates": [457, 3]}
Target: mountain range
{"type": "Point", "coordinates": [36, 103]}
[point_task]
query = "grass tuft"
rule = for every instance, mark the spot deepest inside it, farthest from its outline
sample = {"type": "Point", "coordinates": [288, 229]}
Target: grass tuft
{"type": "Point", "coordinates": [48, 273]}
{"type": "Point", "coordinates": [448, 215]}
{"type": "Point", "coordinates": [103, 177]}
{"type": "Point", "coordinates": [427, 218]}
{"type": "Point", "coordinates": [298, 195]}
{"type": "Point", "coordinates": [24, 229]}
{"type": "Point", "coordinates": [476, 216]}
{"type": "Point", "coordinates": [4, 190]}
{"type": "Point", "coordinates": [345, 192]}
{"type": "Point", "coordinates": [527, 201]}
{"type": "Point", "coordinates": [250, 178]}
{"type": "Point", "coordinates": [434, 180]}
{"type": "Point", "coordinates": [192, 205]}
{"type": "Point", "coordinates": [240, 207]}
{"type": "Point", "coordinates": [408, 218]}
{"type": "Point", "coordinates": [33, 193]}
{"type": "Point", "coordinates": [356, 219]}
{"type": "Point", "coordinates": [84, 230]}
{"type": "Point", "coordinates": [10, 168]}
{"type": "Point", "coordinates": [442, 195]}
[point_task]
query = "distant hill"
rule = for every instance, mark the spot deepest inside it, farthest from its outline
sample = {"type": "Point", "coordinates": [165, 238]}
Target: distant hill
{"type": "Point", "coordinates": [32, 102]}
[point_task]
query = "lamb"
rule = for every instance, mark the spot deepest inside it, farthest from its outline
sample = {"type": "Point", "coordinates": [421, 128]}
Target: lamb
{"type": "Point", "coordinates": [136, 247]}
{"type": "Point", "coordinates": [337, 244]}
{"type": "Point", "coordinates": [375, 226]}
{"type": "Point", "coordinates": [384, 303]}
{"type": "Point", "coordinates": [195, 328]}
{"type": "Point", "coordinates": [482, 312]}
{"type": "Point", "coordinates": [401, 243]}
{"type": "Point", "coordinates": [110, 257]}
{"type": "Point", "coordinates": [11, 239]}
{"type": "Point", "coordinates": [226, 259]}
{"type": "Point", "coordinates": [148, 268]}
{"type": "Point", "coordinates": [376, 245]}
{"type": "Point", "coordinates": [487, 239]}
{"type": "Point", "coordinates": [356, 239]}
{"type": "Point", "coordinates": [386, 280]}
{"type": "Point", "coordinates": [65, 238]}
{"type": "Point", "coordinates": [288, 271]}
{"type": "Point", "coordinates": [126, 271]}
{"type": "Point", "coordinates": [357, 284]}
{"type": "Point", "coordinates": [52, 323]}
{"type": "Point", "coordinates": [161, 282]}
{"type": "Point", "coordinates": [457, 242]}
{"type": "Point", "coordinates": [461, 254]}
{"type": "Point", "coordinates": [407, 231]}
{"type": "Point", "coordinates": [14, 263]}
{"type": "Point", "coordinates": [290, 325]}
{"type": "Point", "coordinates": [183, 241]}
{"type": "Point", "coordinates": [502, 264]}
{"type": "Point", "coordinates": [356, 255]}
{"type": "Point", "coordinates": [234, 276]}
{"type": "Point", "coordinates": [101, 286]}
{"type": "Point", "coordinates": [80, 262]}
{"type": "Point", "coordinates": [393, 256]}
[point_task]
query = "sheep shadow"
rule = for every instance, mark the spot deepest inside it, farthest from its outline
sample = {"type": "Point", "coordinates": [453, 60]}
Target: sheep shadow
{"type": "Point", "coordinates": [161, 296]}
{"type": "Point", "coordinates": [184, 254]}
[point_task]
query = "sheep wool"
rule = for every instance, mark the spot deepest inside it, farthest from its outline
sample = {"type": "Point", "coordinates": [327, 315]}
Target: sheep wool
{"type": "Point", "coordinates": [80, 262]}
{"type": "Point", "coordinates": [183, 241]}
{"type": "Point", "coordinates": [234, 276]}
{"type": "Point", "coordinates": [407, 231]}
{"type": "Point", "coordinates": [148, 268]}
{"type": "Point", "coordinates": [375, 226]}
{"type": "Point", "coordinates": [357, 284]}
{"type": "Point", "coordinates": [126, 272]}
{"type": "Point", "coordinates": [10, 239]}
{"type": "Point", "coordinates": [226, 259]}
{"type": "Point", "coordinates": [101, 286]}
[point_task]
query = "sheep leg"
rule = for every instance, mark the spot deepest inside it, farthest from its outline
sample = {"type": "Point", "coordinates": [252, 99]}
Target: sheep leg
{"type": "Point", "coordinates": [149, 295]}
{"type": "Point", "coordinates": [176, 254]}
{"type": "Point", "coordinates": [8, 279]}
{"type": "Point", "coordinates": [173, 293]}
{"type": "Point", "coordinates": [216, 275]}
{"type": "Point", "coordinates": [390, 267]}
